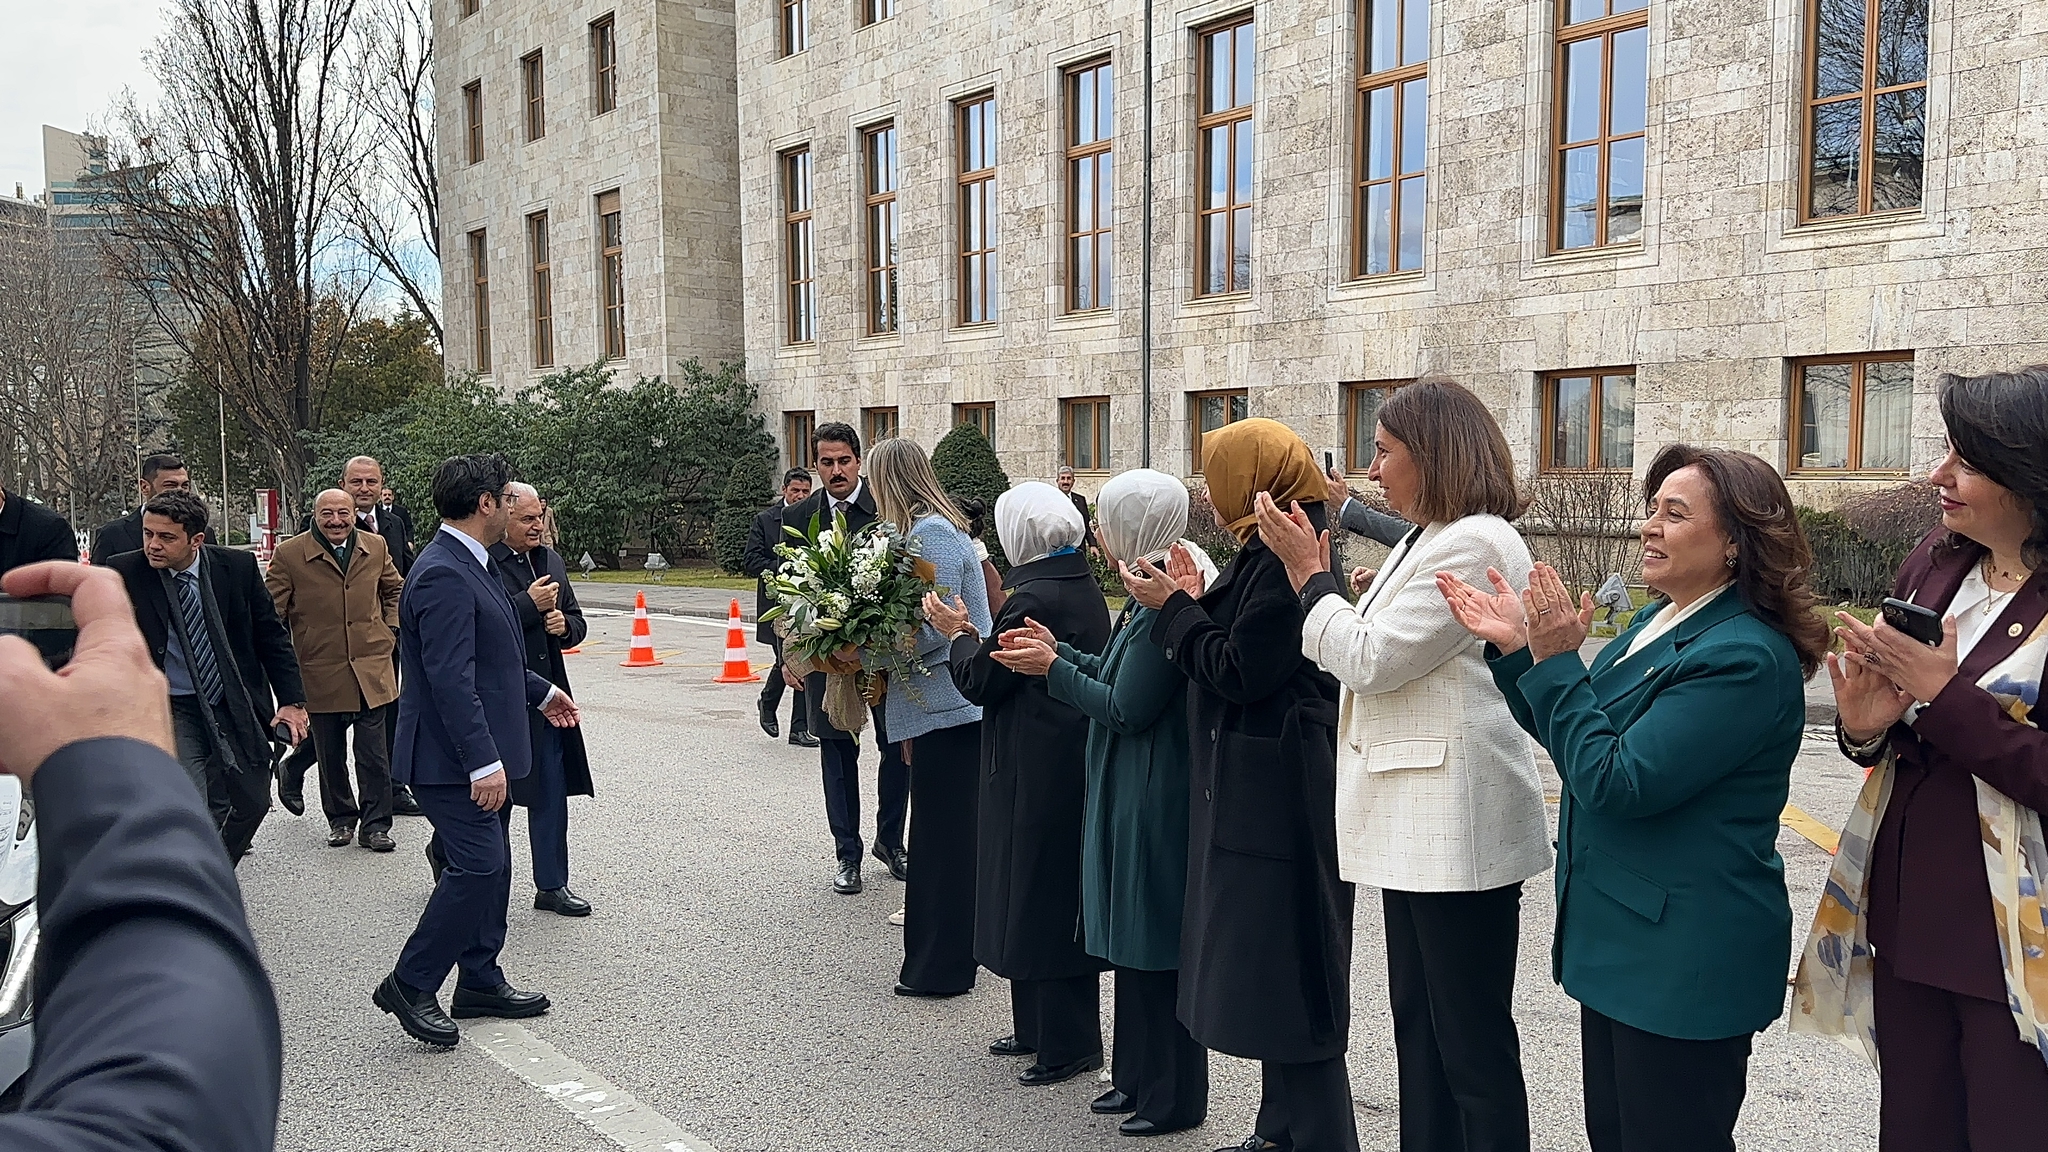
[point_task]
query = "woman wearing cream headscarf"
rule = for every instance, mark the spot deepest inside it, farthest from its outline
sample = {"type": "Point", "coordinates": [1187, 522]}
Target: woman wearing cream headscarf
{"type": "Point", "coordinates": [1134, 835]}
{"type": "Point", "coordinates": [1266, 941]}
{"type": "Point", "coordinates": [1028, 875]}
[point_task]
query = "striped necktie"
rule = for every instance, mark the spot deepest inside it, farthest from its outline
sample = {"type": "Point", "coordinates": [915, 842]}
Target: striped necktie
{"type": "Point", "coordinates": [198, 642]}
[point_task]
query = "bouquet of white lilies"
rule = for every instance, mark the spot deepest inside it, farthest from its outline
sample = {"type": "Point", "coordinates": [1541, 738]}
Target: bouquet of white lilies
{"type": "Point", "coordinates": [839, 592]}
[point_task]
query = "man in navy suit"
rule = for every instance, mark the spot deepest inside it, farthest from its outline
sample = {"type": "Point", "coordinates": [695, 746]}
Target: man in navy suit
{"type": "Point", "coordinates": [462, 737]}
{"type": "Point", "coordinates": [155, 1025]}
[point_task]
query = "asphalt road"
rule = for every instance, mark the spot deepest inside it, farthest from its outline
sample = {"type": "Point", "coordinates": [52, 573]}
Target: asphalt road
{"type": "Point", "coordinates": [739, 1005]}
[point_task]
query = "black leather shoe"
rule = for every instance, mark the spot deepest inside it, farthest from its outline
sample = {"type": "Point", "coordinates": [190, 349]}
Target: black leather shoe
{"type": "Point", "coordinates": [1139, 1126]}
{"type": "Point", "coordinates": [378, 840]}
{"type": "Point", "coordinates": [768, 722]}
{"type": "Point", "coordinates": [340, 835]}
{"type": "Point", "coordinates": [1008, 1046]}
{"type": "Point", "coordinates": [1058, 1073]}
{"type": "Point", "coordinates": [1256, 1143]}
{"type": "Point", "coordinates": [1115, 1102]}
{"type": "Point", "coordinates": [897, 859]}
{"type": "Point", "coordinates": [290, 792]}
{"type": "Point", "coordinates": [907, 990]}
{"type": "Point", "coordinates": [847, 882]}
{"type": "Point", "coordinates": [434, 860]}
{"type": "Point", "coordinates": [561, 902]}
{"type": "Point", "coordinates": [418, 1013]}
{"type": "Point", "coordinates": [402, 803]}
{"type": "Point", "coordinates": [504, 1001]}
{"type": "Point", "coordinates": [803, 739]}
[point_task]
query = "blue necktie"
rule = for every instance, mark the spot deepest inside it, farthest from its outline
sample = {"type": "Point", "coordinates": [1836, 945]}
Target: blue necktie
{"type": "Point", "coordinates": [198, 643]}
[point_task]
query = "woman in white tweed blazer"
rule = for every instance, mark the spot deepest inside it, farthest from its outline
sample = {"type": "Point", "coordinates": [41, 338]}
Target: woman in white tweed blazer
{"type": "Point", "coordinates": [1438, 800]}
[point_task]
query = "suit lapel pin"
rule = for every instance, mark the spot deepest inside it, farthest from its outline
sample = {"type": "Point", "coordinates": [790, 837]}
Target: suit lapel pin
{"type": "Point", "coordinates": [1647, 672]}
{"type": "Point", "coordinates": [2015, 630]}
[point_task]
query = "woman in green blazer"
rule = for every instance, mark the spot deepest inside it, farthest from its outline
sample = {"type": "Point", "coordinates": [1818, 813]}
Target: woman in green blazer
{"type": "Point", "coordinates": [1134, 836]}
{"type": "Point", "coordinates": [1676, 750]}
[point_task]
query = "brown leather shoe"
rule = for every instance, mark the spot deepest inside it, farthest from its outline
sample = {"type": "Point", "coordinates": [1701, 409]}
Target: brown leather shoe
{"type": "Point", "coordinates": [378, 840]}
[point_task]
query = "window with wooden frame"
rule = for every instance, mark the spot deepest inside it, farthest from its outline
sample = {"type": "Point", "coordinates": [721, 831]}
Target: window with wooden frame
{"type": "Point", "coordinates": [799, 254]}
{"type": "Point", "coordinates": [473, 120]}
{"type": "Point", "coordinates": [604, 65]}
{"type": "Point", "coordinates": [1602, 110]}
{"type": "Point", "coordinates": [1362, 402]}
{"type": "Point", "coordinates": [471, 7]}
{"type": "Point", "coordinates": [1208, 411]}
{"type": "Point", "coordinates": [878, 152]}
{"type": "Point", "coordinates": [611, 258]}
{"type": "Point", "coordinates": [1393, 115]}
{"type": "Point", "coordinates": [533, 78]}
{"type": "Point", "coordinates": [979, 268]}
{"type": "Point", "coordinates": [878, 424]}
{"type": "Point", "coordinates": [1084, 433]}
{"type": "Point", "coordinates": [1852, 413]}
{"type": "Point", "coordinates": [480, 298]}
{"type": "Point", "coordinates": [875, 11]}
{"type": "Point", "coordinates": [1866, 107]}
{"type": "Point", "coordinates": [796, 440]}
{"type": "Point", "coordinates": [1223, 130]}
{"type": "Point", "coordinates": [796, 26]}
{"type": "Point", "coordinates": [1091, 167]}
{"type": "Point", "coordinates": [541, 286]}
{"type": "Point", "coordinates": [1589, 421]}
{"type": "Point", "coordinates": [982, 415]}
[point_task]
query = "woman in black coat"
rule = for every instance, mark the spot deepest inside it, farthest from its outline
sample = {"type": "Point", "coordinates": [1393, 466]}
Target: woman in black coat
{"type": "Point", "coordinates": [1266, 932]}
{"type": "Point", "coordinates": [1033, 779]}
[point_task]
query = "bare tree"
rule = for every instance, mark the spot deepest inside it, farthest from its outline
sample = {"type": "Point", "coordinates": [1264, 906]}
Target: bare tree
{"type": "Point", "coordinates": [393, 208]}
{"type": "Point", "coordinates": [227, 195]}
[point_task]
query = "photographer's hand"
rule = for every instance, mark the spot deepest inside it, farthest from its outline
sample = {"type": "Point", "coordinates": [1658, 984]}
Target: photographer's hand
{"type": "Point", "coordinates": [110, 687]}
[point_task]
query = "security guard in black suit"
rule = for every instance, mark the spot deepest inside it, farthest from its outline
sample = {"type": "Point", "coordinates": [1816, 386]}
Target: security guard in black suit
{"type": "Point", "coordinates": [161, 473]}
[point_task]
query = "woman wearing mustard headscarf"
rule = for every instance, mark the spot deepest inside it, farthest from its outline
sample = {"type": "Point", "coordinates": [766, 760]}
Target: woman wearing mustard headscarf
{"type": "Point", "coordinates": [1266, 927]}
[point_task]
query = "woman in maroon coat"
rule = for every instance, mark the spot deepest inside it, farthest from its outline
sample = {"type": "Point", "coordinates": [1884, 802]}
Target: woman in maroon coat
{"type": "Point", "coordinates": [1911, 943]}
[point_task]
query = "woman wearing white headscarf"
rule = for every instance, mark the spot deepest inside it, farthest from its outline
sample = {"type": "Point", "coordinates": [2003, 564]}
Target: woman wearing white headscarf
{"type": "Point", "coordinates": [1134, 835]}
{"type": "Point", "coordinates": [1028, 879]}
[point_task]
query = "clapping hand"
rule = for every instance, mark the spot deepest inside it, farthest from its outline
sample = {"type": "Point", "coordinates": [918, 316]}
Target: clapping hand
{"type": "Point", "coordinates": [948, 620]}
{"type": "Point", "coordinates": [1499, 619]}
{"type": "Point", "coordinates": [1919, 670]}
{"type": "Point", "coordinates": [1029, 650]}
{"type": "Point", "coordinates": [1362, 578]}
{"type": "Point", "coordinates": [1553, 627]}
{"type": "Point", "coordinates": [1152, 588]}
{"type": "Point", "coordinates": [1292, 538]}
{"type": "Point", "coordinates": [1866, 702]}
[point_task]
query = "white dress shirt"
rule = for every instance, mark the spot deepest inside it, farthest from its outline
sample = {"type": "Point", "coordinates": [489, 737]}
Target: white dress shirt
{"type": "Point", "coordinates": [483, 557]}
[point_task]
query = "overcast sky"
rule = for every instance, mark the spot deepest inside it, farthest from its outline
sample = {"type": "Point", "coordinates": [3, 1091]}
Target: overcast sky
{"type": "Point", "coordinates": [63, 62]}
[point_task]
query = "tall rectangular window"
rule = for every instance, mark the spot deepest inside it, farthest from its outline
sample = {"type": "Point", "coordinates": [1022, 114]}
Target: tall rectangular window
{"type": "Point", "coordinates": [1589, 420]}
{"type": "Point", "coordinates": [473, 120]}
{"type": "Point", "coordinates": [1361, 416]}
{"type": "Point", "coordinates": [982, 415]}
{"type": "Point", "coordinates": [1393, 114]}
{"type": "Point", "coordinates": [604, 65]}
{"type": "Point", "coordinates": [1852, 413]}
{"type": "Point", "coordinates": [876, 11]}
{"type": "Point", "coordinates": [796, 26]}
{"type": "Point", "coordinates": [1223, 125]}
{"type": "Point", "coordinates": [796, 439]}
{"type": "Point", "coordinates": [1208, 411]}
{"type": "Point", "coordinates": [542, 289]}
{"type": "Point", "coordinates": [878, 424]}
{"type": "Point", "coordinates": [798, 256]}
{"type": "Point", "coordinates": [979, 269]}
{"type": "Point", "coordinates": [878, 152]}
{"type": "Point", "coordinates": [1084, 433]}
{"type": "Point", "coordinates": [1602, 111]}
{"type": "Point", "coordinates": [471, 7]}
{"type": "Point", "coordinates": [611, 254]}
{"type": "Point", "coordinates": [534, 80]}
{"type": "Point", "coordinates": [480, 298]}
{"type": "Point", "coordinates": [1091, 132]}
{"type": "Point", "coordinates": [1866, 63]}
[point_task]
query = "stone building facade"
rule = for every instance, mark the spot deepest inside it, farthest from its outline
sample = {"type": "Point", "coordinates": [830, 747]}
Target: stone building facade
{"type": "Point", "coordinates": [1815, 210]}
{"type": "Point", "coordinates": [589, 183]}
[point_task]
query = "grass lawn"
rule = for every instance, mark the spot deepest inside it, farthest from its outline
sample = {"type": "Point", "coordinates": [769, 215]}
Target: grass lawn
{"type": "Point", "coordinates": [673, 578]}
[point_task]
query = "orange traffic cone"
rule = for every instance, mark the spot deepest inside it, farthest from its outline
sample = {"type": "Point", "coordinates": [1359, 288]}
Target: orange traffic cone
{"type": "Point", "coordinates": [736, 670]}
{"type": "Point", "coordinates": [642, 654]}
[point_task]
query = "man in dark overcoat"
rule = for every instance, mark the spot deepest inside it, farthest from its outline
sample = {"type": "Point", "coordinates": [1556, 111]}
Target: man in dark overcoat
{"type": "Point", "coordinates": [760, 559]}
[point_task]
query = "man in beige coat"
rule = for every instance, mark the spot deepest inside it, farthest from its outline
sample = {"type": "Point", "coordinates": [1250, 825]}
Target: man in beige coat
{"type": "Point", "coordinates": [337, 589]}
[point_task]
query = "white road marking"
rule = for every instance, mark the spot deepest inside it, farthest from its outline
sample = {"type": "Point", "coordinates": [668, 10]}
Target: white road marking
{"type": "Point", "coordinates": [607, 1109]}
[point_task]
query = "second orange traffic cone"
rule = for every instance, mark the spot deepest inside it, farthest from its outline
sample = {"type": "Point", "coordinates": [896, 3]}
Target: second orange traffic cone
{"type": "Point", "coordinates": [736, 670]}
{"type": "Point", "coordinates": [642, 653]}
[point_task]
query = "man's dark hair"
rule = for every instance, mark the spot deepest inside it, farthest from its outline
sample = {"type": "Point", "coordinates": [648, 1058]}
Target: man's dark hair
{"type": "Point", "coordinates": [187, 510]}
{"type": "Point", "coordinates": [838, 433]}
{"type": "Point", "coordinates": [160, 462]}
{"type": "Point", "coordinates": [794, 475]}
{"type": "Point", "coordinates": [461, 483]}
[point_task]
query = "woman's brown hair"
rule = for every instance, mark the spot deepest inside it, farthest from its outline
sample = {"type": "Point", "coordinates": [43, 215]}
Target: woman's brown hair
{"type": "Point", "coordinates": [1772, 556]}
{"type": "Point", "coordinates": [1467, 469]}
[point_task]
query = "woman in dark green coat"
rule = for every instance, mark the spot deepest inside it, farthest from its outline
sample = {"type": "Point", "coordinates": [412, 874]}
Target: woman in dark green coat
{"type": "Point", "coordinates": [1676, 750]}
{"type": "Point", "coordinates": [1134, 835]}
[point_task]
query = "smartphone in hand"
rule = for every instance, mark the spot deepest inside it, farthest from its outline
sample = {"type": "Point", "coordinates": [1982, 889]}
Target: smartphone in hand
{"type": "Point", "coordinates": [1922, 624]}
{"type": "Point", "coordinates": [44, 621]}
